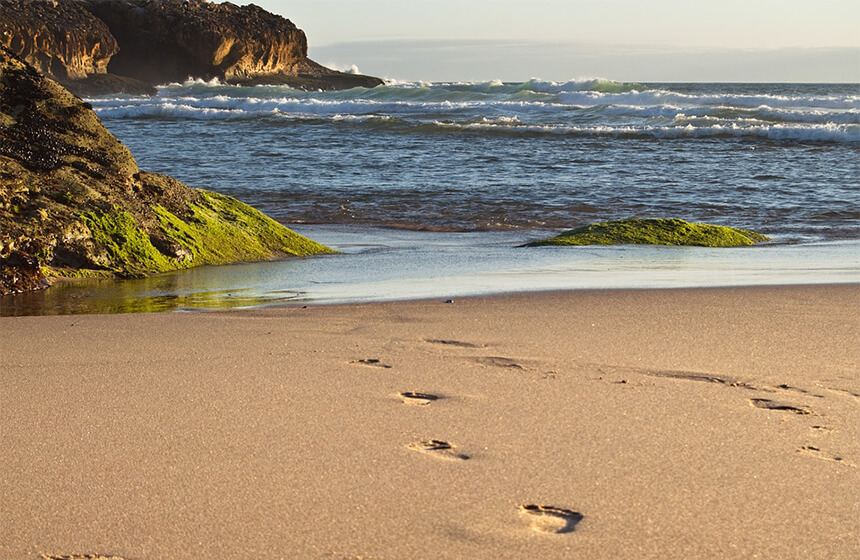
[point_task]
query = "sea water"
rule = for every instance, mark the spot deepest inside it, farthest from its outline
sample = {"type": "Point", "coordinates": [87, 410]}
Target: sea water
{"type": "Point", "coordinates": [430, 188]}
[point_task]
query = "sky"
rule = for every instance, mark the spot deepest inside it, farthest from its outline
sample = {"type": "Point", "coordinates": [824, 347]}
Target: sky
{"type": "Point", "coordinates": [626, 40]}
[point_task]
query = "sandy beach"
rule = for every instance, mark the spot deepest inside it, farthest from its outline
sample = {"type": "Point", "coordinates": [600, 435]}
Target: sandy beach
{"type": "Point", "coordinates": [699, 423]}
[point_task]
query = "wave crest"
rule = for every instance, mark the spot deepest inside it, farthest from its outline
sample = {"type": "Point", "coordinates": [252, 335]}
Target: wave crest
{"type": "Point", "coordinates": [577, 107]}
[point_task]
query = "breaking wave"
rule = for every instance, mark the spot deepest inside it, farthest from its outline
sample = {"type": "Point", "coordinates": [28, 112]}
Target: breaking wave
{"type": "Point", "coordinates": [587, 107]}
{"type": "Point", "coordinates": [814, 133]}
{"type": "Point", "coordinates": [475, 155]}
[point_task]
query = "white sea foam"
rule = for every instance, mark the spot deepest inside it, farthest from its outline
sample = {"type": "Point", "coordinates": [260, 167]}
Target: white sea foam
{"type": "Point", "coordinates": [360, 118]}
{"type": "Point", "coordinates": [535, 106]}
{"type": "Point", "coordinates": [170, 110]}
{"type": "Point", "coordinates": [190, 81]}
{"type": "Point", "coordinates": [663, 97]}
{"type": "Point", "coordinates": [589, 92]}
{"type": "Point", "coordinates": [510, 121]}
{"type": "Point", "coordinates": [761, 113]}
{"type": "Point", "coordinates": [825, 133]}
{"type": "Point", "coordinates": [158, 106]}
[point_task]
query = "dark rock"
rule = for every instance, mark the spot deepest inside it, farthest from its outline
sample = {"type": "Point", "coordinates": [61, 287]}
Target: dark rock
{"type": "Point", "coordinates": [105, 84]}
{"type": "Point", "coordinates": [96, 47]}
{"type": "Point", "coordinates": [60, 39]}
{"type": "Point", "coordinates": [21, 272]}
{"type": "Point", "coordinates": [170, 40]}
{"type": "Point", "coordinates": [63, 40]}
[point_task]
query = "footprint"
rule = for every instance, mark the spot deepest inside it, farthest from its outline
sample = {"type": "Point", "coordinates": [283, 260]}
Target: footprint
{"type": "Point", "coordinates": [550, 519]}
{"type": "Point", "coordinates": [822, 428]}
{"type": "Point", "coordinates": [456, 343]}
{"type": "Point", "coordinates": [774, 405]}
{"type": "Point", "coordinates": [372, 362]}
{"type": "Point", "coordinates": [498, 361]}
{"type": "Point", "coordinates": [79, 557]}
{"type": "Point", "coordinates": [438, 448]}
{"type": "Point", "coordinates": [420, 399]}
{"type": "Point", "coordinates": [789, 388]}
{"type": "Point", "coordinates": [813, 451]}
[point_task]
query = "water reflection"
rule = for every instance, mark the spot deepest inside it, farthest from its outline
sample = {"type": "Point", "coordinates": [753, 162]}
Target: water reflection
{"type": "Point", "coordinates": [383, 264]}
{"type": "Point", "coordinates": [167, 292]}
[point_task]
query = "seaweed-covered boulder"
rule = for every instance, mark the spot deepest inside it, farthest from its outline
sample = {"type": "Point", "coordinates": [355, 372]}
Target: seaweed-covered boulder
{"type": "Point", "coordinates": [74, 203]}
{"type": "Point", "coordinates": [655, 232]}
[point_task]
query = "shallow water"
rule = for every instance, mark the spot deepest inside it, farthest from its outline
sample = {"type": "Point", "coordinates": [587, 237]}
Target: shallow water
{"type": "Point", "coordinates": [383, 264]}
{"type": "Point", "coordinates": [429, 188]}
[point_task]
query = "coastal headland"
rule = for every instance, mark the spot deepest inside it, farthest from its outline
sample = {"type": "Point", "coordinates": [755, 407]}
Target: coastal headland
{"type": "Point", "coordinates": [95, 47]}
{"type": "Point", "coordinates": [626, 424]}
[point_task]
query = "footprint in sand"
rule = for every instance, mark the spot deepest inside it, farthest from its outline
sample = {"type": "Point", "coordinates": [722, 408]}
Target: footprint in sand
{"type": "Point", "coordinates": [371, 362]}
{"type": "Point", "coordinates": [768, 404]}
{"type": "Point", "coordinates": [498, 361]}
{"type": "Point", "coordinates": [419, 399]}
{"type": "Point", "coordinates": [456, 343]}
{"type": "Point", "coordinates": [550, 519]}
{"type": "Point", "coordinates": [788, 388]}
{"type": "Point", "coordinates": [79, 557]}
{"type": "Point", "coordinates": [813, 451]}
{"type": "Point", "coordinates": [438, 448]}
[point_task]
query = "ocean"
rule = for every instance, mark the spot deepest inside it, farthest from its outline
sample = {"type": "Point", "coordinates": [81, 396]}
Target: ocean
{"type": "Point", "coordinates": [430, 188]}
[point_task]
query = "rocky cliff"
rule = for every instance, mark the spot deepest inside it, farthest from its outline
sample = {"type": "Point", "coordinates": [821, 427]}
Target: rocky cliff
{"type": "Point", "coordinates": [59, 39]}
{"type": "Point", "coordinates": [102, 46]}
{"type": "Point", "coordinates": [74, 203]}
{"type": "Point", "coordinates": [62, 39]}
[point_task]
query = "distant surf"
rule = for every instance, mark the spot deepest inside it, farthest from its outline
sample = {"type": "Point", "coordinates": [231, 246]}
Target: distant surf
{"type": "Point", "coordinates": [623, 109]}
{"type": "Point", "coordinates": [468, 156]}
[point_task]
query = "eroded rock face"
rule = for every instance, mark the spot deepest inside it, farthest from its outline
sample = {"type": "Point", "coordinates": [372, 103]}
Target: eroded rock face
{"type": "Point", "coordinates": [59, 39]}
{"type": "Point", "coordinates": [169, 40]}
{"type": "Point", "coordinates": [106, 46]}
{"type": "Point", "coordinates": [63, 40]}
{"type": "Point", "coordinates": [74, 203]}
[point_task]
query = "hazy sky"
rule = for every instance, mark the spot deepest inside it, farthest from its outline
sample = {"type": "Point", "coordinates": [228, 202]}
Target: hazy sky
{"type": "Point", "coordinates": [645, 40]}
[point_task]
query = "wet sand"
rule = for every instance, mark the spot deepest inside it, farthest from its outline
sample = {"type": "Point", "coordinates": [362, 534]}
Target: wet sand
{"type": "Point", "coordinates": [701, 423]}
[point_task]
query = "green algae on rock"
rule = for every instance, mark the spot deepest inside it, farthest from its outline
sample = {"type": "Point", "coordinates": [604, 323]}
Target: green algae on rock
{"type": "Point", "coordinates": [219, 230]}
{"type": "Point", "coordinates": [655, 232]}
{"type": "Point", "coordinates": [73, 202]}
{"type": "Point", "coordinates": [223, 230]}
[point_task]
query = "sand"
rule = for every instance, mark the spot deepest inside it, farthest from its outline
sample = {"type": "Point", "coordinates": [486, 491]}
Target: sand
{"type": "Point", "coordinates": [708, 423]}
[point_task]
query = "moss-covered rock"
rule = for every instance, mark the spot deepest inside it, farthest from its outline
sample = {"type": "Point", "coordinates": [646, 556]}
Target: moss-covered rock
{"type": "Point", "coordinates": [74, 203]}
{"type": "Point", "coordinates": [655, 232]}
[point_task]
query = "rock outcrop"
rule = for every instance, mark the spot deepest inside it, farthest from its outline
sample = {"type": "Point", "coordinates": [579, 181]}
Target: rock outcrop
{"type": "Point", "coordinates": [62, 39]}
{"type": "Point", "coordinates": [105, 46]}
{"type": "Point", "coordinates": [59, 39]}
{"type": "Point", "coordinates": [74, 203]}
{"type": "Point", "coordinates": [659, 231]}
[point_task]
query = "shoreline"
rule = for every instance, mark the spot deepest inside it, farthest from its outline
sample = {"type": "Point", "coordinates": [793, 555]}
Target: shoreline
{"type": "Point", "coordinates": [651, 423]}
{"type": "Point", "coordinates": [385, 265]}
